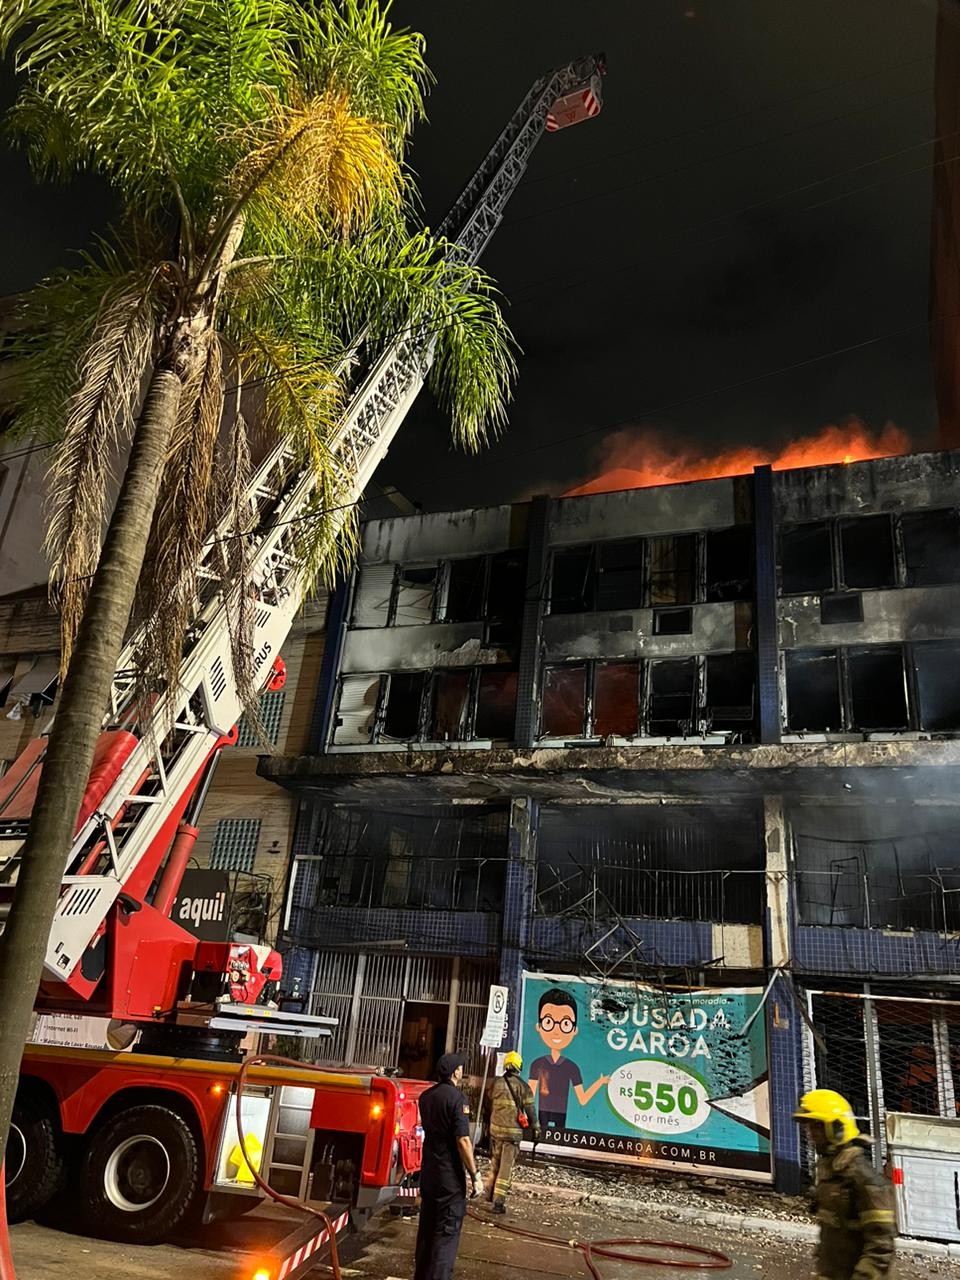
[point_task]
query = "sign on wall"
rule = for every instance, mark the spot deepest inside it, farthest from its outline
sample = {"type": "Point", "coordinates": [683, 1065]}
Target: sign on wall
{"type": "Point", "coordinates": [634, 1074]}
{"type": "Point", "coordinates": [201, 904]}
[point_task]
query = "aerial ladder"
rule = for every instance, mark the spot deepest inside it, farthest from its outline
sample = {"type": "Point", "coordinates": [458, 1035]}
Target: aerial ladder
{"type": "Point", "coordinates": [113, 949]}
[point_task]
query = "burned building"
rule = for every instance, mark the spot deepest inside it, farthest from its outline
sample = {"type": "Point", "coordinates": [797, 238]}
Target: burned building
{"type": "Point", "coordinates": [702, 735]}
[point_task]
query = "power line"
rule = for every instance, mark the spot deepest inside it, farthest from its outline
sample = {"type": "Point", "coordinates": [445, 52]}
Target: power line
{"type": "Point", "coordinates": [632, 265]}
{"type": "Point", "coordinates": [724, 120]}
{"type": "Point", "coordinates": [723, 155]}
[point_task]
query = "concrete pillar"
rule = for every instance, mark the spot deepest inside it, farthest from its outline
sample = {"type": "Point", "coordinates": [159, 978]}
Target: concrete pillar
{"type": "Point", "coordinates": [765, 606]}
{"type": "Point", "coordinates": [784, 1024]}
{"type": "Point", "coordinates": [518, 903]}
{"type": "Point", "coordinates": [528, 668]}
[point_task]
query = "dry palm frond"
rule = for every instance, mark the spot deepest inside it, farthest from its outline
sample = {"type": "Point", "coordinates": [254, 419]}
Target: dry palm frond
{"type": "Point", "coordinates": [98, 422]}
{"type": "Point", "coordinates": [313, 159]}
{"type": "Point", "coordinates": [184, 514]}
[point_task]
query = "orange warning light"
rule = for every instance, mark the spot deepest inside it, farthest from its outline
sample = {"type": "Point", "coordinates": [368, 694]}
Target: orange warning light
{"type": "Point", "coordinates": [262, 1274]}
{"type": "Point", "coordinates": [376, 1111]}
{"type": "Point", "coordinates": [217, 1089]}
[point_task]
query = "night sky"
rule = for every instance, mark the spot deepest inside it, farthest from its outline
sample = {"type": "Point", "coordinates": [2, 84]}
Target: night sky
{"type": "Point", "coordinates": [736, 208]}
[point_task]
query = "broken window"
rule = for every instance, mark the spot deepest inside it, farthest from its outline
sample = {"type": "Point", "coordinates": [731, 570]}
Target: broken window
{"type": "Point", "coordinates": [404, 698]}
{"type": "Point", "coordinates": [508, 574]}
{"type": "Point", "coordinates": [878, 692]}
{"type": "Point", "coordinates": [416, 585]}
{"type": "Point", "coordinates": [615, 699]}
{"type": "Point", "coordinates": [451, 699]}
{"type": "Point", "coordinates": [620, 578]}
{"type": "Point", "coordinates": [673, 563]}
{"type": "Point", "coordinates": [357, 710]}
{"type": "Point", "coordinates": [731, 679]}
{"type": "Point", "coordinates": [806, 561]}
{"type": "Point", "coordinates": [672, 622]}
{"type": "Point", "coordinates": [673, 688]}
{"type": "Point", "coordinates": [574, 580]}
{"type": "Point", "coordinates": [730, 563]}
{"type": "Point", "coordinates": [813, 691]}
{"type": "Point", "coordinates": [866, 548]}
{"type": "Point", "coordinates": [937, 665]}
{"type": "Point", "coordinates": [564, 701]}
{"type": "Point", "coordinates": [841, 607]}
{"type": "Point", "coordinates": [497, 703]}
{"type": "Point", "coordinates": [931, 544]}
{"type": "Point", "coordinates": [465, 586]}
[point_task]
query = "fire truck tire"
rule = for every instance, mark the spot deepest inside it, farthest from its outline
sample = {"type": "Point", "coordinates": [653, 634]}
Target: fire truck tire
{"type": "Point", "coordinates": [35, 1164]}
{"type": "Point", "coordinates": [141, 1175]}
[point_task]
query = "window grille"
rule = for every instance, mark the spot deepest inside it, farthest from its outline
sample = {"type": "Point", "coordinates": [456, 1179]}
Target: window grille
{"type": "Point", "coordinates": [271, 713]}
{"type": "Point", "coordinates": [235, 844]}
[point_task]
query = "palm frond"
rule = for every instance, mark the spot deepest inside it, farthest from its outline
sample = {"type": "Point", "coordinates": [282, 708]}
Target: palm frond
{"type": "Point", "coordinates": [182, 521]}
{"type": "Point", "coordinates": [313, 158]}
{"type": "Point", "coordinates": [98, 423]}
{"type": "Point", "coordinates": [351, 44]}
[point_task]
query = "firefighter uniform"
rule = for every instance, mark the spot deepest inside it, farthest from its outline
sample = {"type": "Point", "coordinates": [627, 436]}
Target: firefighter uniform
{"type": "Point", "coordinates": [854, 1203]}
{"type": "Point", "coordinates": [444, 1114]}
{"type": "Point", "coordinates": [510, 1097]}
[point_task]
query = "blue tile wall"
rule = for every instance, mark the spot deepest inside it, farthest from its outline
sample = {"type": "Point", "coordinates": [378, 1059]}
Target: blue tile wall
{"type": "Point", "coordinates": [818, 949]}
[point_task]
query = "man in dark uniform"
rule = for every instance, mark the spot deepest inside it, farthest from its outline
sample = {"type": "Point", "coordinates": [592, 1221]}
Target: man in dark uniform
{"type": "Point", "coordinates": [447, 1162]}
{"type": "Point", "coordinates": [858, 1225]}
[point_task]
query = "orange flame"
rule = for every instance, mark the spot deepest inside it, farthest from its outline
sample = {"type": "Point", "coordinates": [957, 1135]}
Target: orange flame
{"type": "Point", "coordinates": [632, 460]}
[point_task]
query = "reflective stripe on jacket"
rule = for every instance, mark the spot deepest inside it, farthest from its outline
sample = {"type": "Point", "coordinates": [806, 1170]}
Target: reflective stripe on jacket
{"type": "Point", "coordinates": [856, 1215]}
{"type": "Point", "coordinates": [504, 1099]}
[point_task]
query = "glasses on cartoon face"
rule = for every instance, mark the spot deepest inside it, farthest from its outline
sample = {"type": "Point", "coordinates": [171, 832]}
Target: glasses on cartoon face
{"type": "Point", "coordinates": [566, 1025]}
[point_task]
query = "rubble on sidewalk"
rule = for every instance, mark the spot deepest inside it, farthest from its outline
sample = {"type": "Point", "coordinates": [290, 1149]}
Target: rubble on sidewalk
{"type": "Point", "coordinates": [656, 1187]}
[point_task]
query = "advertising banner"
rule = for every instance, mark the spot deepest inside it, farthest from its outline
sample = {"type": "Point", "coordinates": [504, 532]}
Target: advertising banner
{"type": "Point", "coordinates": [638, 1075]}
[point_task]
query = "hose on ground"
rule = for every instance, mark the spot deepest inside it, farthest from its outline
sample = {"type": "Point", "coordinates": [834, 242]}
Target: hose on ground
{"type": "Point", "coordinates": [697, 1258]}
{"type": "Point", "coordinates": [261, 1060]}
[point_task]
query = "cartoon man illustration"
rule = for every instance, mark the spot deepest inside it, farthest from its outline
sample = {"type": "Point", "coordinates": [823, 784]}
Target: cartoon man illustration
{"type": "Point", "coordinates": [552, 1075]}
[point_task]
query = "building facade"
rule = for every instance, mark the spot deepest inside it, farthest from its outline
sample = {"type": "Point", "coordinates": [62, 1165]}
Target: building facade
{"type": "Point", "coordinates": [705, 736]}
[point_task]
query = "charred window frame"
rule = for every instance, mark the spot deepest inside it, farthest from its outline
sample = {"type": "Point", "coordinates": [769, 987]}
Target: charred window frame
{"type": "Point", "coordinates": [487, 588]}
{"type": "Point", "coordinates": [627, 573]}
{"type": "Point", "coordinates": [729, 572]}
{"type": "Point", "coordinates": [859, 689]}
{"type": "Point", "coordinates": [456, 704]}
{"type": "Point", "coordinates": [872, 552]}
{"type": "Point", "coordinates": [935, 666]}
{"type": "Point", "coordinates": [931, 547]}
{"type": "Point", "coordinates": [655, 697]}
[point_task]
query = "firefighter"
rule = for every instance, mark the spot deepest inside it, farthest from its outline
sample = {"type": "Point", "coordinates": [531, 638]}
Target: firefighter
{"type": "Point", "coordinates": [854, 1203]}
{"type": "Point", "coordinates": [513, 1117]}
{"type": "Point", "coordinates": [447, 1162]}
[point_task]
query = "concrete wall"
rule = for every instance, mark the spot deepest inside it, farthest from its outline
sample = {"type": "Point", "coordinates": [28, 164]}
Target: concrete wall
{"type": "Point", "coordinates": [675, 508]}
{"type": "Point", "coordinates": [630, 635]}
{"type": "Point", "coordinates": [439, 644]}
{"type": "Point", "coordinates": [859, 488]}
{"type": "Point", "coordinates": [910, 613]}
{"type": "Point", "coordinates": [425, 538]}
{"type": "Point", "coordinates": [22, 562]}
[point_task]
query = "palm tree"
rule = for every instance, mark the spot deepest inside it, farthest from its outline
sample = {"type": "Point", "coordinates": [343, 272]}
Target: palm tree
{"type": "Point", "coordinates": [257, 151]}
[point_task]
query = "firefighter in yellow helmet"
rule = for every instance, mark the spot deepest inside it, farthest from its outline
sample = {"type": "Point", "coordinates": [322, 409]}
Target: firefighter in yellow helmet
{"type": "Point", "coordinates": [513, 1117]}
{"type": "Point", "coordinates": [854, 1203]}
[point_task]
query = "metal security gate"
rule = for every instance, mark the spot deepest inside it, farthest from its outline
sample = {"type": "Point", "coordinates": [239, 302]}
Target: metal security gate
{"type": "Point", "coordinates": [369, 993]}
{"type": "Point", "coordinates": [884, 1053]}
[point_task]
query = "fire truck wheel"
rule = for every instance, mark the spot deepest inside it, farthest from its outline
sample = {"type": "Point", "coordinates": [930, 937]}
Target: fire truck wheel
{"type": "Point", "coordinates": [141, 1175]}
{"type": "Point", "coordinates": [34, 1162]}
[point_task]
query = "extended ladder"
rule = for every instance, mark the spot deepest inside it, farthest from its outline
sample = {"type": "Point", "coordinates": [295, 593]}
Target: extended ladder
{"type": "Point", "coordinates": [205, 703]}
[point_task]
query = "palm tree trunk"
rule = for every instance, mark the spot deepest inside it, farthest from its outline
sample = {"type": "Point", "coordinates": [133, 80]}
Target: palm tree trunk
{"type": "Point", "coordinates": [77, 725]}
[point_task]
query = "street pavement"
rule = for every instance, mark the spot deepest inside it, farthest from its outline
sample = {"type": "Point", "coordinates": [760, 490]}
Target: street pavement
{"type": "Point", "coordinates": [230, 1251]}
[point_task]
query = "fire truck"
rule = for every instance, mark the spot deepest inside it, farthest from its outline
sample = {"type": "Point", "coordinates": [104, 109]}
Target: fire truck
{"type": "Point", "coordinates": [138, 1140]}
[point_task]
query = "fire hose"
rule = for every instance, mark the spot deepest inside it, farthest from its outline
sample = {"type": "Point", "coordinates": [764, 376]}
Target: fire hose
{"type": "Point", "coordinates": [697, 1258]}
{"type": "Point", "coordinates": [263, 1059]}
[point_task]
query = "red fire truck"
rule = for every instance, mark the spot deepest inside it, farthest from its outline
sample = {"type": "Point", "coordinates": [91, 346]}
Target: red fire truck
{"type": "Point", "coordinates": [139, 1140]}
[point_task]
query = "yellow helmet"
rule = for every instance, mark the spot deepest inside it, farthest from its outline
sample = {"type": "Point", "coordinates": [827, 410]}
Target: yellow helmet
{"type": "Point", "coordinates": [513, 1060]}
{"type": "Point", "coordinates": [833, 1111]}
